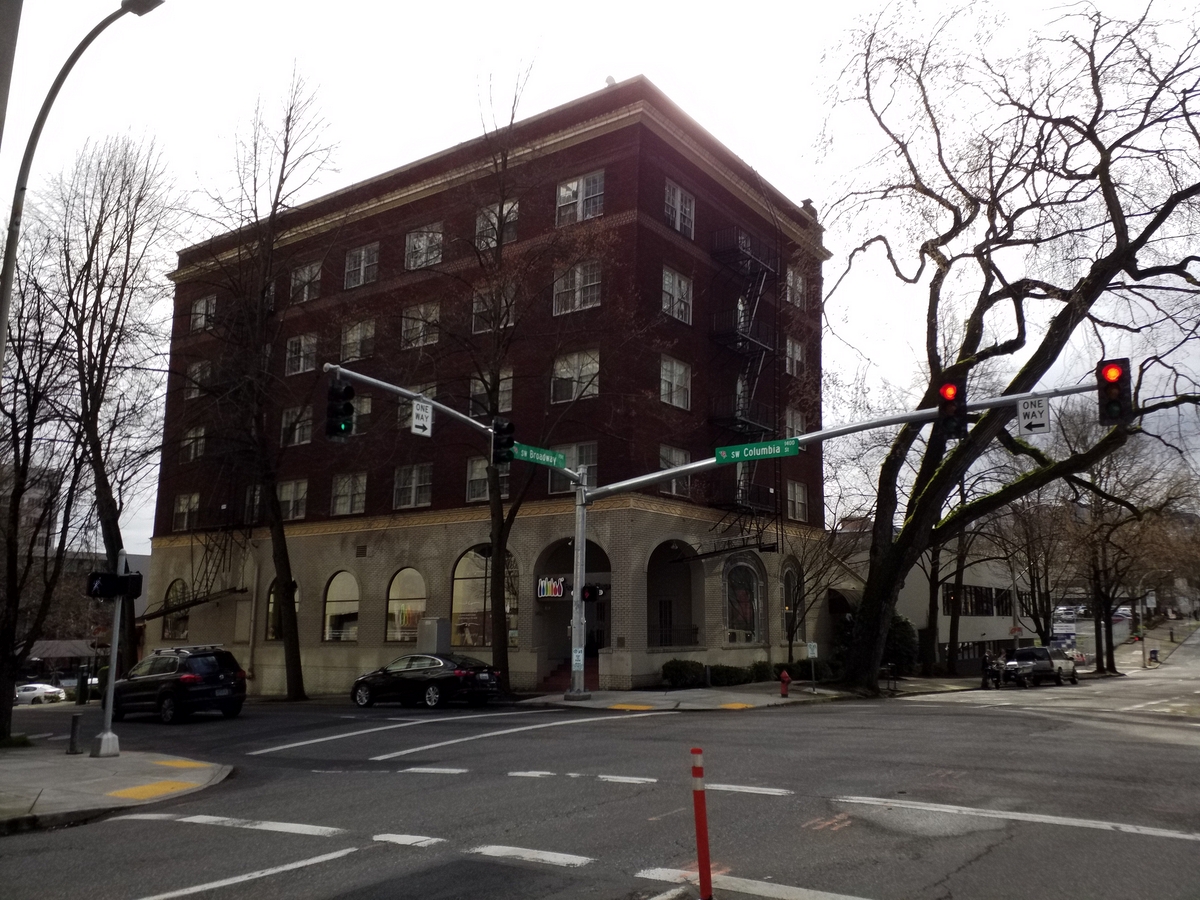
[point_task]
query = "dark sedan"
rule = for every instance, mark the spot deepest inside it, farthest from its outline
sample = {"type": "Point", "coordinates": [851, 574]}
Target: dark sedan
{"type": "Point", "coordinates": [429, 678]}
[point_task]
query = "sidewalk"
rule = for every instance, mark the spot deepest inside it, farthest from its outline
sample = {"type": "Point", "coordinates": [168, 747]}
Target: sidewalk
{"type": "Point", "coordinates": [1129, 655]}
{"type": "Point", "coordinates": [41, 786]}
{"type": "Point", "coordinates": [742, 696]}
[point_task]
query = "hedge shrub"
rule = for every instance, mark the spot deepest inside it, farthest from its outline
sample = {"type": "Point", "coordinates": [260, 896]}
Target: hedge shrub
{"type": "Point", "coordinates": [683, 673]}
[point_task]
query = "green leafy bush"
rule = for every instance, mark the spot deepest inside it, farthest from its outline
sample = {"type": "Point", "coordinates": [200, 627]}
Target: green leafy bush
{"type": "Point", "coordinates": [724, 676]}
{"type": "Point", "coordinates": [683, 673]}
{"type": "Point", "coordinates": [761, 671]}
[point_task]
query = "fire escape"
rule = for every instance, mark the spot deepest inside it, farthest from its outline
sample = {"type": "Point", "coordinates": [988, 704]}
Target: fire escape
{"type": "Point", "coordinates": [219, 541]}
{"type": "Point", "coordinates": [748, 272]}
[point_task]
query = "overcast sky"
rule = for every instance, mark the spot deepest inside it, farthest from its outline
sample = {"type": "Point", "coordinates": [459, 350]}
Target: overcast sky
{"type": "Point", "coordinates": [397, 81]}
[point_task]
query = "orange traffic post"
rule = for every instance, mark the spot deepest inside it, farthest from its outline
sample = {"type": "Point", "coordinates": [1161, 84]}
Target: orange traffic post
{"type": "Point", "coordinates": [701, 810]}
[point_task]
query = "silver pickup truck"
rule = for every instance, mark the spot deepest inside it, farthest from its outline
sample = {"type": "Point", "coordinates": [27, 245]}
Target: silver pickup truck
{"type": "Point", "coordinates": [1033, 665]}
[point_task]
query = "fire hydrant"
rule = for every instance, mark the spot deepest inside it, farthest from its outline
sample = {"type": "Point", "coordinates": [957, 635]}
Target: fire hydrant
{"type": "Point", "coordinates": [784, 680]}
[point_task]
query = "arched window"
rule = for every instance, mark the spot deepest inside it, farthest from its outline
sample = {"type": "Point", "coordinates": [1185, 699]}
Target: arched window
{"type": "Point", "coordinates": [274, 622]}
{"type": "Point", "coordinates": [406, 605]}
{"type": "Point", "coordinates": [175, 624]}
{"type": "Point", "coordinates": [470, 611]}
{"type": "Point", "coordinates": [795, 626]}
{"type": "Point", "coordinates": [742, 593]}
{"type": "Point", "coordinates": [341, 608]}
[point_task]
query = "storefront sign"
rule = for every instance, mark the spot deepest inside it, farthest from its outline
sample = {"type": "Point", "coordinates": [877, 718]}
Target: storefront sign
{"type": "Point", "coordinates": [551, 587]}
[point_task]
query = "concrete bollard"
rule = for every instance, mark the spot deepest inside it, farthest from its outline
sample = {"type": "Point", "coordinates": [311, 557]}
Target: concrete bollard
{"type": "Point", "coordinates": [73, 744]}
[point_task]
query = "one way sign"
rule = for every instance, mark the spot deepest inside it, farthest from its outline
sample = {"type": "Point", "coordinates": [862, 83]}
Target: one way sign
{"type": "Point", "coordinates": [422, 422]}
{"type": "Point", "coordinates": [1033, 416]}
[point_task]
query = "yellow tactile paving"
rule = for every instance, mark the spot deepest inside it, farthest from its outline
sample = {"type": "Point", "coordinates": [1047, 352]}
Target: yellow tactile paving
{"type": "Point", "coordinates": [737, 706]}
{"type": "Point", "coordinates": [182, 764]}
{"type": "Point", "coordinates": [630, 706]}
{"type": "Point", "coordinates": [153, 789]}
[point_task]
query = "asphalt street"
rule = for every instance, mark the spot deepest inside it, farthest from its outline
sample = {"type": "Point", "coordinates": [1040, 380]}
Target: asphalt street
{"type": "Point", "coordinates": [1089, 790]}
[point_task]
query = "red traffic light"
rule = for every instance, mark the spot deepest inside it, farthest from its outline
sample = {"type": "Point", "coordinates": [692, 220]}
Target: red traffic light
{"type": "Point", "coordinates": [1111, 372]}
{"type": "Point", "coordinates": [949, 391]}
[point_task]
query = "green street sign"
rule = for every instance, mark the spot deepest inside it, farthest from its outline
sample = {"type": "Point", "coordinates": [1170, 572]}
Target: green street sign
{"type": "Point", "coordinates": [750, 452]}
{"type": "Point", "coordinates": [537, 455]}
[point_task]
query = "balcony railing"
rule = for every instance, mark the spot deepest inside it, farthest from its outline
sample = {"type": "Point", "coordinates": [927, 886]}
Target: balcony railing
{"type": "Point", "coordinates": [757, 497]}
{"type": "Point", "coordinates": [739, 249]}
{"type": "Point", "coordinates": [736, 329]}
{"type": "Point", "coordinates": [742, 415]}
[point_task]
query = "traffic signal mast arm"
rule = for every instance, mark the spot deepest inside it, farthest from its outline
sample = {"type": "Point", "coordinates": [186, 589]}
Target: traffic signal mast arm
{"type": "Point", "coordinates": [348, 375]}
{"type": "Point", "coordinates": [815, 437]}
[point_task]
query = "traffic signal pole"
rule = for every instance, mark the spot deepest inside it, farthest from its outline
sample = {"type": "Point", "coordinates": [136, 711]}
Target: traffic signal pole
{"type": "Point", "coordinates": [585, 495]}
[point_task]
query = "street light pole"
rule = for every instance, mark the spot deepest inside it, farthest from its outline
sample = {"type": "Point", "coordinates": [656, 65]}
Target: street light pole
{"type": "Point", "coordinates": [137, 7]}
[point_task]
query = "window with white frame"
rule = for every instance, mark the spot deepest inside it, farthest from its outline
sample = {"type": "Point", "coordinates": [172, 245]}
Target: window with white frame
{"type": "Point", "coordinates": [577, 288]}
{"type": "Point", "coordinates": [349, 494]}
{"type": "Point", "coordinates": [580, 198]}
{"type": "Point", "coordinates": [362, 264]}
{"type": "Point", "coordinates": [795, 288]}
{"type": "Point", "coordinates": [580, 457]}
{"type": "Point", "coordinates": [680, 209]}
{"type": "Point", "coordinates": [796, 424]}
{"type": "Point", "coordinates": [253, 508]}
{"type": "Point", "coordinates": [489, 221]}
{"type": "Point", "coordinates": [187, 512]}
{"type": "Point", "coordinates": [405, 406]}
{"type": "Point", "coordinates": [677, 295]}
{"type": "Point", "coordinates": [670, 458]}
{"type": "Point", "coordinates": [477, 486]}
{"type": "Point", "coordinates": [575, 375]}
{"type": "Point", "coordinates": [306, 282]}
{"type": "Point", "coordinates": [419, 325]}
{"type": "Point", "coordinates": [797, 496]}
{"type": "Point", "coordinates": [192, 445]}
{"type": "Point", "coordinates": [362, 414]}
{"type": "Point", "coordinates": [301, 354]}
{"type": "Point", "coordinates": [675, 383]}
{"type": "Point", "coordinates": [204, 313]}
{"type": "Point", "coordinates": [479, 399]}
{"type": "Point", "coordinates": [358, 340]}
{"type": "Point", "coordinates": [296, 426]}
{"type": "Point", "coordinates": [423, 247]}
{"type": "Point", "coordinates": [199, 375]}
{"type": "Point", "coordinates": [293, 498]}
{"type": "Point", "coordinates": [413, 487]}
{"type": "Point", "coordinates": [493, 309]}
{"type": "Point", "coordinates": [795, 357]}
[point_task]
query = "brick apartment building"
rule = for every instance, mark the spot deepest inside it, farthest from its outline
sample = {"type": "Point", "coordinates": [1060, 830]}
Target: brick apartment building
{"type": "Point", "coordinates": [657, 300]}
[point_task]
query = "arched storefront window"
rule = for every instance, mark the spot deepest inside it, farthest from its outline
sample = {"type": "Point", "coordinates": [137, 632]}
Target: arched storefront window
{"type": "Point", "coordinates": [406, 605]}
{"type": "Point", "coordinates": [341, 608]}
{"type": "Point", "coordinates": [175, 624]}
{"type": "Point", "coordinates": [274, 622]}
{"type": "Point", "coordinates": [470, 611]}
{"type": "Point", "coordinates": [742, 594]}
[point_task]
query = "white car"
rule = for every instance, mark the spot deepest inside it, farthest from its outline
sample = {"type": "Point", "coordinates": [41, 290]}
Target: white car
{"type": "Point", "coordinates": [40, 693]}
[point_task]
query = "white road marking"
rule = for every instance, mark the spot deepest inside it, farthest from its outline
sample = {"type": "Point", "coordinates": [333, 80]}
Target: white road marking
{"type": "Point", "coordinates": [539, 856]}
{"type": "Point", "coordinates": [743, 885]}
{"type": "Point", "coordinates": [251, 876]}
{"type": "Point", "coordinates": [530, 774]}
{"type": "Point", "coordinates": [672, 894]}
{"type": "Point", "coordinates": [430, 770]}
{"type": "Point", "coordinates": [409, 840]}
{"type": "Point", "coordinates": [1142, 705]}
{"type": "Point", "coordinates": [404, 724]}
{"type": "Point", "coordinates": [254, 825]}
{"type": "Point", "coordinates": [491, 734]}
{"type": "Point", "coordinates": [627, 779]}
{"type": "Point", "coordinates": [147, 817]}
{"type": "Point", "coordinates": [38, 737]}
{"type": "Point", "coordinates": [1024, 817]}
{"type": "Point", "coordinates": [746, 789]}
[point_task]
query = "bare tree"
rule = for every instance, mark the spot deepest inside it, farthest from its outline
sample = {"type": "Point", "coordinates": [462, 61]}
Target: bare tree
{"type": "Point", "coordinates": [1043, 199]}
{"type": "Point", "coordinates": [43, 508]}
{"type": "Point", "coordinates": [274, 165]}
{"type": "Point", "coordinates": [107, 222]}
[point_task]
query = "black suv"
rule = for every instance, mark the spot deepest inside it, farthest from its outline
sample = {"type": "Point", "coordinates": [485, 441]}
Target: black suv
{"type": "Point", "coordinates": [174, 682]}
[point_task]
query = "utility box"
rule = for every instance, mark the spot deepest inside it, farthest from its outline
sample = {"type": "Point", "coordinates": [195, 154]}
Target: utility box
{"type": "Point", "coordinates": [433, 635]}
